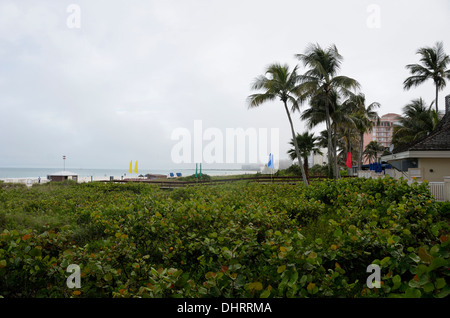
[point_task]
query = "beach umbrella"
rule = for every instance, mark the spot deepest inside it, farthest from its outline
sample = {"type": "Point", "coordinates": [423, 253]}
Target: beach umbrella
{"type": "Point", "coordinates": [130, 170]}
{"type": "Point", "coordinates": [136, 167]}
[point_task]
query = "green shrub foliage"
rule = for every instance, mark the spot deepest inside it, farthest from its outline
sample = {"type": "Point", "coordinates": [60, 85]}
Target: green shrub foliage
{"type": "Point", "coordinates": [233, 240]}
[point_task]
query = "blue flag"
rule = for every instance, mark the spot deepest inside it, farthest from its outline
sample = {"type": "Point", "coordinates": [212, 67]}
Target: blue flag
{"type": "Point", "coordinates": [270, 164]}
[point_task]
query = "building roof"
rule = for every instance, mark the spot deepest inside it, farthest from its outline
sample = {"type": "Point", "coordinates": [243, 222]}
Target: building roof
{"type": "Point", "coordinates": [437, 140]}
{"type": "Point", "coordinates": [63, 174]}
{"type": "Point", "coordinates": [389, 116]}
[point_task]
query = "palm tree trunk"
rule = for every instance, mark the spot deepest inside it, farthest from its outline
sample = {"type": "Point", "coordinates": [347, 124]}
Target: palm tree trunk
{"type": "Point", "coordinates": [306, 167]}
{"type": "Point", "coordinates": [349, 150]}
{"type": "Point", "coordinates": [297, 151]}
{"type": "Point", "coordinates": [437, 95]}
{"type": "Point", "coordinates": [327, 120]}
{"type": "Point", "coordinates": [337, 174]}
{"type": "Point", "coordinates": [361, 150]}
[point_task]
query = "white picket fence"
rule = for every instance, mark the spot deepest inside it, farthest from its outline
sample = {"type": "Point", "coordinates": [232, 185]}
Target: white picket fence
{"type": "Point", "coordinates": [437, 190]}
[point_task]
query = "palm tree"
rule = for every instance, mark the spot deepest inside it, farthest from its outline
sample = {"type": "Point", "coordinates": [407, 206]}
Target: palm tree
{"type": "Point", "coordinates": [307, 145]}
{"type": "Point", "coordinates": [433, 66]}
{"type": "Point", "coordinates": [321, 79]}
{"type": "Point", "coordinates": [418, 121]}
{"type": "Point", "coordinates": [341, 115]}
{"type": "Point", "coordinates": [372, 150]}
{"type": "Point", "coordinates": [365, 119]}
{"type": "Point", "coordinates": [279, 83]}
{"type": "Point", "coordinates": [347, 138]}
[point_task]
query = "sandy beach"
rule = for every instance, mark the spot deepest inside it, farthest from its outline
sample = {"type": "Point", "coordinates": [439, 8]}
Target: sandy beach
{"type": "Point", "coordinates": [34, 180]}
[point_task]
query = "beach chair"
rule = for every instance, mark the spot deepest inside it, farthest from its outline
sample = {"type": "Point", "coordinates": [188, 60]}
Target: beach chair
{"type": "Point", "coordinates": [178, 174]}
{"type": "Point", "coordinates": [171, 175]}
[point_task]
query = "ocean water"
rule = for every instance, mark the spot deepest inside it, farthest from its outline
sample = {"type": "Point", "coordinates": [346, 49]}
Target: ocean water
{"type": "Point", "coordinates": [117, 173]}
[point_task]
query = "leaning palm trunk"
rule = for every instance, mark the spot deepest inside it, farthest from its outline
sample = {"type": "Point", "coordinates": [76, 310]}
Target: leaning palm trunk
{"type": "Point", "coordinates": [297, 151]}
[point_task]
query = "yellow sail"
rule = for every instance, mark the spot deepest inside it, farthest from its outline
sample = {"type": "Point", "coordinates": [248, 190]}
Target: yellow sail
{"type": "Point", "coordinates": [136, 167]}
{"type": "Point", "coordinates": [131, 167]}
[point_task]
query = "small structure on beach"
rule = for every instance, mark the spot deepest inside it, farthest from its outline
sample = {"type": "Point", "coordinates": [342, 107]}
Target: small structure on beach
{"type": "Point", "coordinates": [155, 176]}
{"type": "Point", "coordinates": [62, 176]}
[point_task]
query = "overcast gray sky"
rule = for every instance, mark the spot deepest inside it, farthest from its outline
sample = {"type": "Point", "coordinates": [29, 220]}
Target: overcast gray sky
{"type": "Point", "coordinates": [114, 89]}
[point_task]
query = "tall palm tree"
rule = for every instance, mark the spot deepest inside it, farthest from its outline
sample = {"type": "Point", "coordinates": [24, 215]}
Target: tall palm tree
{"type": "Point", "coordinates": [347, 138]}
{"type": "Point", "coordinates": [279, 82]}
{"type": "Point", "coordinates": [321, 79]}
{"type": "Point", "coordinates": [365, 119]}
{"type": "Point", "coordinates": [343, 126]}
{"type": "Point", "coordinates": [307, 145]}
{"type": "Point", "coordinates": [341, 115]}
{"type": "Point", "coordinates": [418, 121]}
{"type": "Point", "coordinates": [433, 67]}
{"type": "Point", "coordinates": [372, 150]}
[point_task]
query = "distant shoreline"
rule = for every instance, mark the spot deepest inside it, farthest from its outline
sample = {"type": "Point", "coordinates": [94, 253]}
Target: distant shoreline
{"type": "Point", "coordinates": [29, 181]}
{"type": "Point", "coordinates": [34, 173]}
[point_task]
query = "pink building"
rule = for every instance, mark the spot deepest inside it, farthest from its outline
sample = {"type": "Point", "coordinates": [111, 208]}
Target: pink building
{"type": "Point", "coordinates": [383, 131]}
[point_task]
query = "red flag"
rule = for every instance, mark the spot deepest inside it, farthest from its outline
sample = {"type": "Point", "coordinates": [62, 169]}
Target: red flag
{"type": "Point", "coordinates": [349, 160]}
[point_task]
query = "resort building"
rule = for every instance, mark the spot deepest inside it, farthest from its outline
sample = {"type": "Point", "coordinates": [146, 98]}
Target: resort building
{"type": "Point", "coordinates": [383, 131]}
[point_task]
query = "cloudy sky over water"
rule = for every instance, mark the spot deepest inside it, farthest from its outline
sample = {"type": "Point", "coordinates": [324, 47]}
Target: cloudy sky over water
{"type": "Point", "coordinates": [111, 84]}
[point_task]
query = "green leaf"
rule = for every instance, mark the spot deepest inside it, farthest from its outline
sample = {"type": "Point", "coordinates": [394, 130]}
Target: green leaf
{"type": "Point", "coordinates": [435, 229]}
{"type": "Point", "coordinates": [228, 254]}
{"type": "Point", "coordinates": [108, 277]}
{"type": "Point", "coordinates": [385, 261]}
{"type": "Point", "coordinates": [444, 292]}
{"type": "Point", "coordinates": [413, 293]}
{"type": "Point", "coordinates": [436, 263]}
{"type": "Point", "coordinates": [255, 286]}
{"type": "Point", "coordinates": [67, 253]}
{"type": "Point", "coordinates": [424, 255]}
{"type": "Point", "coordinates": [414, 257]}
{"type": "Point", "coordinates": [428, 287]}
{"type": "Point", "coordinates": [413, 284]}
{"type": "Point", "coordinates": [420, 269]}
{"type": "Point", "coordinates": [440, 283]}
{"type": "Point", "coordinates": [281, 269]}
{"type": "Point", "coordinates": [293, 279]}
{"type": "Point", "coordinates": [312, 255]}
{"type": "Point", "coordinates": [303, 280]}
{"type": "Point", "coordinates": [397, 282]}
{"type": "Point", "coordinates": [265, 293]}
{"type": "Point", "coordinates": [337, 232]}
{"type": "Point", "coordinates": [35, 252]}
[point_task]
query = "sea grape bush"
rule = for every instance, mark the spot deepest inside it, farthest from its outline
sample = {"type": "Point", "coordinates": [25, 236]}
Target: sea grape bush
{"type": "Point", "coordinates": [236, 240]}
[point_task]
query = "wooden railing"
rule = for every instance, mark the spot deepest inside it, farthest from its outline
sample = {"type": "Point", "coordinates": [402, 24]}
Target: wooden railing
{"type": "Point", "coordinates": [259, 179]}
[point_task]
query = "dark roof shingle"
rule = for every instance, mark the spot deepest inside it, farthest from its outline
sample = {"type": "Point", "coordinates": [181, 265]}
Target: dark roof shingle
{"type": "Point", "coordinates": [437, 140]}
